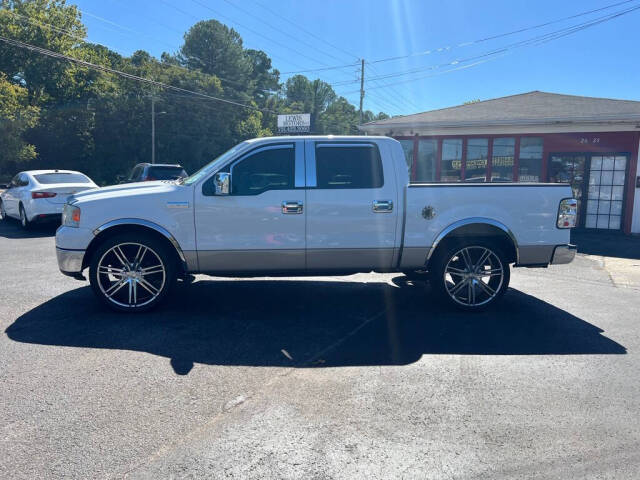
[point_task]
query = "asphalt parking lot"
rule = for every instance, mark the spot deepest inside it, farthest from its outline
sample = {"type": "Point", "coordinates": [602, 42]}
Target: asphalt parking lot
{"type": "Point", "coordinates": [346, 377]}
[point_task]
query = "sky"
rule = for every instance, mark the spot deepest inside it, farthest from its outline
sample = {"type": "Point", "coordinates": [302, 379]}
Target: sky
{"type": "Point", "coordinates": [298, 35]}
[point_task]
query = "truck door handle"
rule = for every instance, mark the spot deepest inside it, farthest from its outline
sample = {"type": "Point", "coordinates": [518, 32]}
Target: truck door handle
{"type": "Point", "coordinates": [291, 206]}
{"type": "Point", "coordinates": [382, 206]}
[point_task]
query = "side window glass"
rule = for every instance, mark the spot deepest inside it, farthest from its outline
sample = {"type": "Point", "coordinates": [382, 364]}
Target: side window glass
{"type": "Point", "coordinates": [271, 169]}
{"type": "Point", "coordinates": [23, 181]}
{"type": "Point", "coordinates": [135, 173]}
{"type": "Point", "coordinates": [358, 166]}
{"type": "Point", "coordinates": [15, 181]}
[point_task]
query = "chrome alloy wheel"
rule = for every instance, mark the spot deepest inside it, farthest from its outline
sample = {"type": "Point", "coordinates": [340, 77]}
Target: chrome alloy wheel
{"type": "Point", "coordinates": [131, 275]}
{"type": "Point", "coordinates": [3, 213]}
{"type": "Point", "coordinates": [23, 218]}
{"type": "Point", "coordinates": [473, 276]}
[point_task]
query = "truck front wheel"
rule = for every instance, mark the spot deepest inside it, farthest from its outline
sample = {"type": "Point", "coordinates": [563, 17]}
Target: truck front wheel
{"type": "Point", "coordinates": [132, 273]}
{"type": "Point", "coordinates": [470, 275]}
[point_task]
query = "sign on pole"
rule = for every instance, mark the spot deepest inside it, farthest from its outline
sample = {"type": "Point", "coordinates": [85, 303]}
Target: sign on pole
{"type": "Point", "coordinates": [294, 123]}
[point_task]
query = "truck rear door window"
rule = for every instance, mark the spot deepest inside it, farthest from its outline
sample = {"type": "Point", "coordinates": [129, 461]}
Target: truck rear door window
{"type": "Point", "coordinates": [348, 166]}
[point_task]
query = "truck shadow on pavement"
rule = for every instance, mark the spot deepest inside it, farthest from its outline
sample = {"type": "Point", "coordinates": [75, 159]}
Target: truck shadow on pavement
{"type": "Point", "coordinates": [310, 323]}
{"type": "Point", "coordinates": [10, 228]}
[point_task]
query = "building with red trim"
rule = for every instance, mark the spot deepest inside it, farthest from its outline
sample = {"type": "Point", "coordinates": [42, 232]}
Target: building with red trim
{"type": "Point", "coordinates": [591, 143]}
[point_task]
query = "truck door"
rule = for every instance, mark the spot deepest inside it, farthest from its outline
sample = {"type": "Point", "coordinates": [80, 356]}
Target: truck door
{"type": "Point", "coordinates": [351, 206]}
{"type": "Point", "coordinates": [260, 225]}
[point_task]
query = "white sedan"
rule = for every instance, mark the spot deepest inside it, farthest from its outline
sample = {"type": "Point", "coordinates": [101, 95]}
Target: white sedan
{"type": "Point", "coordinates": [40, 195]}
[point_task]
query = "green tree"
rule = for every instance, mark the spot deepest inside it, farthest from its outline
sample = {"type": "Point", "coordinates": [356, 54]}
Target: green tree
{"type": "Point", "coordinates": [16, 117]}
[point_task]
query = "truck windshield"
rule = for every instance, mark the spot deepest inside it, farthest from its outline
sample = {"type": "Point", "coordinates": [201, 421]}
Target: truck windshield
{"type": "Point", "coordinates": [214, 165]}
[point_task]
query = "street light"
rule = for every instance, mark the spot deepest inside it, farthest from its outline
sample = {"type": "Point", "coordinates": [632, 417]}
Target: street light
{"type": "Point", "coordinates": [153, 128]}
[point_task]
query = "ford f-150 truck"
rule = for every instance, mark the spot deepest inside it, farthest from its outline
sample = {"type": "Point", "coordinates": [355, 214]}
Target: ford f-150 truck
{"type": "Point", "coordinates": [312, 206]}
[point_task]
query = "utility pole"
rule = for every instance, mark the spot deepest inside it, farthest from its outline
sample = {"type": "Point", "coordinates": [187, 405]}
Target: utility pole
{"type": "Point", "coordinates": [361, 88]}
{"type": "Point", "coordinates": [153, 129]}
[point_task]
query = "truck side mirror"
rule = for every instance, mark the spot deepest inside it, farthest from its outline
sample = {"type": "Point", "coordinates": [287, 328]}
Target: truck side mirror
{"type": "Point", "coordinates": [222, 181]}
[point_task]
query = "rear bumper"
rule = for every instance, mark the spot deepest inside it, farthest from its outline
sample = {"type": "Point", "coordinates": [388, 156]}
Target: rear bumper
{"type": "Point", "coordinates": [563, 254]}
{"type": "Point", "coordinates": [47, 218]}
{"type": "Point", "coordinates": [70, 261]}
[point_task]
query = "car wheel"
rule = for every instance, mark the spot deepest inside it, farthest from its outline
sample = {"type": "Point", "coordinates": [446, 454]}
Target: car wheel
{"type": "Point", "coordinates": [24, 221]}
{"type": "Point", "coordinates": [471, 275]}
{"type": "Point", "coordinates": [132, 273]}
{"type": "Point", "coordinates": [3, 213]}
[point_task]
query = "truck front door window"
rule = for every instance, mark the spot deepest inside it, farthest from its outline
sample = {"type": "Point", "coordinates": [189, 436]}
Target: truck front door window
{"type": "Point", "coordinates": [271, 169]}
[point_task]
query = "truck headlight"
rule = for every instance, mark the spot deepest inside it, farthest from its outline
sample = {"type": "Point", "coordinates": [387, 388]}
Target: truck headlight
{"type": "Point", "coordinates": [71, 216]}
{"type": "Point", "coordinates": [567, 213]}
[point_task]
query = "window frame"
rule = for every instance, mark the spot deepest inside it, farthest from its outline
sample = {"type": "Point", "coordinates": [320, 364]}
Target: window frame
{"type": "Point", "coordinates": [312, 180]}
{"type": "Point", "coordinates": [231, 165]}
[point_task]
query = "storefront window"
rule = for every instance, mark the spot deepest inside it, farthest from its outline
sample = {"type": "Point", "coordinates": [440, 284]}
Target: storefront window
{"type": "Point", "coordinates": [477, 154]}
{"type": "Point", "coordinates": [502, 159]}
{"type": "Point", "coordinates": [427, 157]}
{"type": "Point", "coordinates": [407, 146]}
{"type": "Point", "coordinates": [451, 160]}
{"type": "Point", "coordinates": [530, 165]}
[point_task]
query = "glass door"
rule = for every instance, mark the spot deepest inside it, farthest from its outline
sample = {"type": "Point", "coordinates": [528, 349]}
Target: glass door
{"type": "Point", "coordinates": [606, 191]}
{"type": "Point", "coordinates": [570, 168]}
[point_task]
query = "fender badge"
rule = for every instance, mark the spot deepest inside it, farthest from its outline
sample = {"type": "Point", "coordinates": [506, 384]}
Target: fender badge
{"type": "Point", "coordinates": [177, 204]}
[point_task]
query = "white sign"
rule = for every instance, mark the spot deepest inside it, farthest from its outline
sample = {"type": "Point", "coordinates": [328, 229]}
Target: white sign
{"type": "Point", "coordinates": [294, 123]}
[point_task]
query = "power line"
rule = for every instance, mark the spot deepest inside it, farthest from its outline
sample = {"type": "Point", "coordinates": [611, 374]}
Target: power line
{"type": "Point", "coordinates": [255, 32]}
{"type": "Point", "coordinates": [472, 42]}
{"type": "Point", "coordinates": [299, 27]}
{"type": "Point", "coordinates": [534, 41]}
{"type": "Point", "coordinates": [393, 90]}
{"type": "Point", "coordinates": [279, 30]}
{"type": "Point", "coordinates": [60, 56]}
{"type": "Point", "coordinates": [80, 39]}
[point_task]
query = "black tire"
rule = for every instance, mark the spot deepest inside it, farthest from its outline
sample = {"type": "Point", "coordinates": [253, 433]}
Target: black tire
{"type": "Point", "coordinates": [24, 221]}
{"type": "Point", "coordinates": [3, 213]}
{"type": "Point", "coordinates": [117, 289]}
{"type": "Point", "coordinates": [480, 287]}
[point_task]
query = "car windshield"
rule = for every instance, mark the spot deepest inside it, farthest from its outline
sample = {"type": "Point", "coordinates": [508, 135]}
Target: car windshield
{"type": "Point", "coordinates": [167, 173]}
{"type": "Point", "coordinates": [59, 177]}
{"type": "Point", "coordinates": [212, 166]}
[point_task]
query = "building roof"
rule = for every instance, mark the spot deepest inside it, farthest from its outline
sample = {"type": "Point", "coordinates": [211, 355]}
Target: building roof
{"type": "Point", "coordinates": [526, 108]}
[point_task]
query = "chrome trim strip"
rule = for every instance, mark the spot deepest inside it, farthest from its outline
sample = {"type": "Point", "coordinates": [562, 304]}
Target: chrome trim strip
{"type": "Point", "coordinates": [300, 173]}
{"type": "Point", "coordinates": [470, 221]}
{"type": "Point", "coordinates": [145, 223]}
{"type": "Point", "coordinates": [310, 163]}
{"type": "Point", "coordinates": [342, 145]}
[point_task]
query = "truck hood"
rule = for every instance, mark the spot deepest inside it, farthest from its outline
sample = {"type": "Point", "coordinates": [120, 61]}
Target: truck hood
{"type": "Point", "coordinates": [125, 190]}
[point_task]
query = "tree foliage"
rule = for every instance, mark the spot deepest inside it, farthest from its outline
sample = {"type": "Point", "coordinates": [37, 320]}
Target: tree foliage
{"type": "Point", "coordinates": [58, 114]}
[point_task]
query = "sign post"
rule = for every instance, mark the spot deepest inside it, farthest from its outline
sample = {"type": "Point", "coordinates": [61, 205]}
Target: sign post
{"type": "Point", "coordinates": [294, 123]}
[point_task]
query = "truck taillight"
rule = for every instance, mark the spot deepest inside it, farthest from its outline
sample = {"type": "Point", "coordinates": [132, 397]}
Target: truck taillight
{"type": "Point", "coordinates": [42, 194]}
{"type": "Point", "coordinates": [567, 213]}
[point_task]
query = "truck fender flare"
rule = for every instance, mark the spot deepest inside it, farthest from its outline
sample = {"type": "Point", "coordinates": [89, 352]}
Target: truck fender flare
{"type": "Point", "coordinates": [143, 223]}
{"type": "Point", "coordinates": [470, 221]}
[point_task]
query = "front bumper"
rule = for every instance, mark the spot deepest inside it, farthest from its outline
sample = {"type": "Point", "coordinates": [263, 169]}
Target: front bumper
{"type": "Point", "coordinates": [70, 261]}
{"type": "Point", "coordinates": [563, 254]}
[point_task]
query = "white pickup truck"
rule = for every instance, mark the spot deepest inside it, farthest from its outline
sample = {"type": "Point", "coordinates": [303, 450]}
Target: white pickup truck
{"type": "Point", "coordinates": [312, 206]}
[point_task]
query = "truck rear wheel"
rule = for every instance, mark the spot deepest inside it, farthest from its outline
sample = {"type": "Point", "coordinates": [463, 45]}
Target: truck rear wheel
{"type": "Point", "coordinates": [132, 273]}
{"type": "Point", "coordinates": [470, 275]}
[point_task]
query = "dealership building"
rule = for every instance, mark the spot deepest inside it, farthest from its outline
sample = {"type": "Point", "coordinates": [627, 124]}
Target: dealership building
{"type": "Point", "coordinates": [591, 143]}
